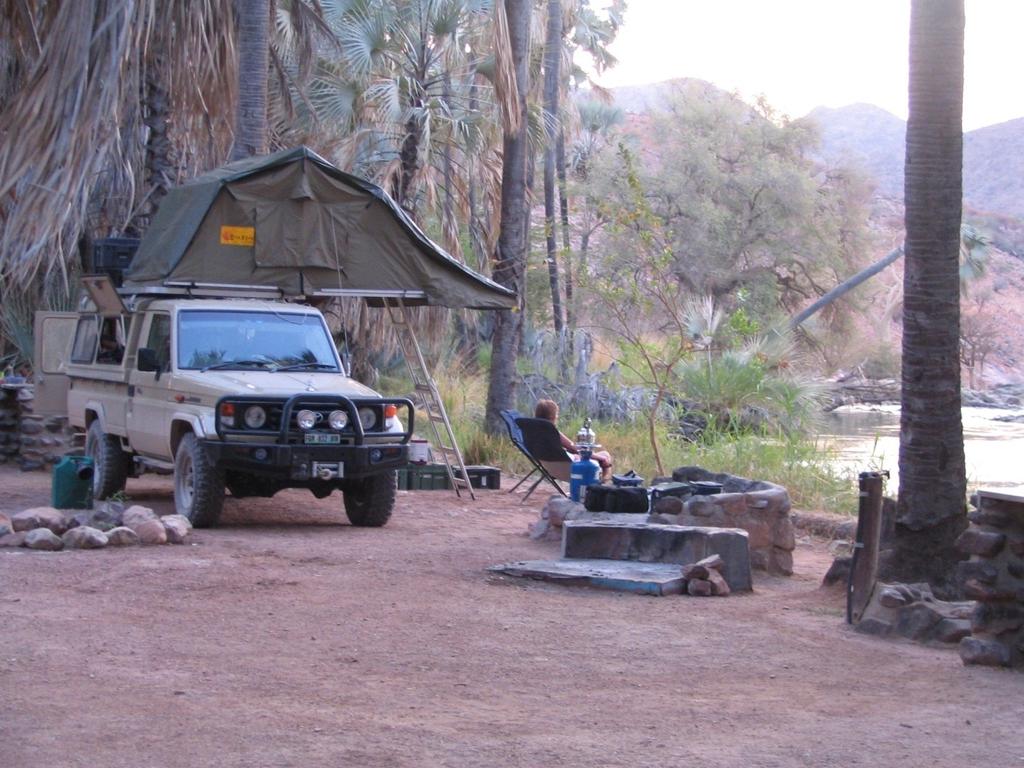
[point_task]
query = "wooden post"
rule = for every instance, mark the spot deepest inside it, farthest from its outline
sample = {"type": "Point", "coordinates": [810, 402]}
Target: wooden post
{"type": "Point", "coordinates": [864, 568]}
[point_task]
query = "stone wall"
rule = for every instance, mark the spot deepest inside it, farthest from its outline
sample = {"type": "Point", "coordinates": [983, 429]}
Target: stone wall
{"type": "Point", "coordinates": [994, 576]}
{"type": "Point", "coordinates": [10, 418]}
{"type": "Point", "coordinates": [35, 442]}
{"type": "Point", "coordinates": [760, 508]}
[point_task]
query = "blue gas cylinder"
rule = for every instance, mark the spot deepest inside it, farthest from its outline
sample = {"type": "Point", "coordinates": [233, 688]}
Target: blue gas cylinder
{"type": "Point", "coordinates": [582, 473]}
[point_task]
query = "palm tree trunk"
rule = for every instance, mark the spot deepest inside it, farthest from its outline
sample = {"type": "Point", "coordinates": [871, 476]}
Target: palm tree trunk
{"type": "Point", "coordinates": [563, 199]}
{"type": "Point", "coordinates": [253, 61]}
{"type": "Point", "coordinates": [552, 61]}
{"type": "Point", "coordinates": [931, 510]}
{"type": "Point", "coordinates": [510, 260]}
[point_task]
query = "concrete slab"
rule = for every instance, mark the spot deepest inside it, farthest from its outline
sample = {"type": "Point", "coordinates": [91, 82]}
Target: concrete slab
{"type": "Point", "coordinates": [627, 576]}
{"type": "Point", "coordinates": [657, 543]}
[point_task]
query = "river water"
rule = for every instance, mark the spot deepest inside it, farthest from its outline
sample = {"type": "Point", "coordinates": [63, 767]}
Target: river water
{"type": "Point", "coordinates": [868, 438]}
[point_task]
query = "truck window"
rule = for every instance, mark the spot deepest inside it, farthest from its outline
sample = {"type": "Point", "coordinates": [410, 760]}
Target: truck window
{"type": "Point", "coordinates": [159, 339]}
{"type": "Point", "coordinates": [271, 339]}
{"type": "Point", "coordinates": [86, 336]}
{"type": "Point", "coordinates": [112, 340]}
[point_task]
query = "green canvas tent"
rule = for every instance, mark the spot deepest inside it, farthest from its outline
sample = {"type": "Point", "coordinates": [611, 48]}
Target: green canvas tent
{"type": "Point", "coordinates": [293, 222]}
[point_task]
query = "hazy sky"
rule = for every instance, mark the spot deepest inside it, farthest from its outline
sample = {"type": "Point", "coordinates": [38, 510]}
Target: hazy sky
{"type": "Point", "coordinates": [805, 53]}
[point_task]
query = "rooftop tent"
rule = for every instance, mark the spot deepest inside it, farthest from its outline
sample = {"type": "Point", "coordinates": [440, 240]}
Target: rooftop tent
{"type": "Point", "coordinates": [294, 222]}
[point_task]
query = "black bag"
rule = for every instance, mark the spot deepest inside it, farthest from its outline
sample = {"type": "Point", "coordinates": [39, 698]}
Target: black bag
{"type": "Point", "coordinates": [609, 498]}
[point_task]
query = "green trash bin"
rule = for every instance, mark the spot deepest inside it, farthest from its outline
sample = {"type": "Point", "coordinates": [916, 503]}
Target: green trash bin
{"type": "Point", "coordinates": [72, 483]}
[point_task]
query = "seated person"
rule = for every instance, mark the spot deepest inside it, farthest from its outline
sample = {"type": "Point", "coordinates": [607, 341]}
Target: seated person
{"type": "Point", "coordinates": [548, 410]}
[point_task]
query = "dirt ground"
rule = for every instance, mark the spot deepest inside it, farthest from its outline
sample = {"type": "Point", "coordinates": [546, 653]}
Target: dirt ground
{"type": "Point", "coordinates": [288, 638]}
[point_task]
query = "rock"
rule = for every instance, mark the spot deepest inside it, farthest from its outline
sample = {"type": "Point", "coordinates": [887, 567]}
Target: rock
{"type": "Point", "coordinates": [31, 426]}
{"type": "Point", "coordinates": [84, 537]}
{"type": "Point", "coordinates": [122, 537]}
{"type": "Point", "coordinates": [719, 586]}
{"type": "Point", "coordinates": [984, 652]}
{"type": "Point", "coordinates": [44, 539]}
{"type": "Point", "coordinates": [952, 630]}
{"type": "Point", "coordinates": [695, 571]}
{"type": "Point", "coordinates": [874, 626]}
{"type": "Point", "coordinates": [981, 543]}
{"type": "Point", "coordinates": [892, 598]}
{"type": "Point", "coordinates": [781, 561]}
{"type": "Point", "coordinates": [667, 505]}
{"type": "Point", "coordinates": [177, 528]}
{"type": "Point", "coordinates": [990, 517]}
{"type": "Point", "coordinates": [713, 562]}
{"type": "Point", "coordinates": [150, 531]}
{"type": "Point", "coordinates": [980, 571]}
{"type": "Point", "coordinates": [917, 621]}
{"type": "Point", "coordinates": [838, 572]}
{"type": "Point", "coordinates": [104, 515]}
{"type": "Point", "coordinates": [699, 587]}
{"type": "Point", "coordinates": [557, 510]}
{"type": "Point", "coordinates": [6, 526]}
{"type": "Point", "coordinates": [39, 517]}
{"type": "Point", "coordinates": [996, 618]}
{"type": "Point", "coordinates": [138, 514]}
{"type": "Point", "coordinates": [975, 590]}
{"type": "Point", "coordinates": [13, 539]}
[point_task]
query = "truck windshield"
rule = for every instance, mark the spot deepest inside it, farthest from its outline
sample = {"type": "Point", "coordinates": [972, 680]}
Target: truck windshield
{"type": "Point", "coordinates": [254, 340]}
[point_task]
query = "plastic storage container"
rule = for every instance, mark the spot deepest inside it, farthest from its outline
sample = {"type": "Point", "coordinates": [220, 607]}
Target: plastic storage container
{"type": "Point", "coordinates": [72, 483]}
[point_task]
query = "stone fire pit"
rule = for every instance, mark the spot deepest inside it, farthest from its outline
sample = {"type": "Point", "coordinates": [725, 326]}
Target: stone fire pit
{"type": "Point", "coordinates": [758, 507]}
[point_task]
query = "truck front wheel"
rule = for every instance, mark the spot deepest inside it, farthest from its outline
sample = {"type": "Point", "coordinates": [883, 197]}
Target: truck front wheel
{"type": "Point", "coordinates": [369, 500]}
{"type": "Point", "coordinates": [198, 484]}
{"type": "Point", "coordinates": [109, 463]}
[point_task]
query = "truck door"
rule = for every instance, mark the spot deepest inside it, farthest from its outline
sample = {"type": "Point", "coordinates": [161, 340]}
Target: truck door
{"type": "Point", "coordinates": [53, 334]}
{"type": "Point", "coordinates": [149, 401]}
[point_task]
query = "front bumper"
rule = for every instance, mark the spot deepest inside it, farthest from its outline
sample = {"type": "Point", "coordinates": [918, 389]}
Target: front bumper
{"type": "Point", "coordinates": [300, 463]}
{"type": "Point", "coordinates": [279, 453]}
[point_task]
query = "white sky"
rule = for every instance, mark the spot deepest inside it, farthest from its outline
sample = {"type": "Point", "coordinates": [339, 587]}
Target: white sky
{"type": "Point", "coordinates": [804, 53]}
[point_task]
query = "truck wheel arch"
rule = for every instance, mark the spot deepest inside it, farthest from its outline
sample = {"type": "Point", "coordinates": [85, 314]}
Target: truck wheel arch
{"type": "Point", "coordinates": [179, 428]}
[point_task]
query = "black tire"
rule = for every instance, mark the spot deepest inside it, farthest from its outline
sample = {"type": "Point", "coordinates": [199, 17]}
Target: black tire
{"type": "Point", "coordinates": [109, 462]}
{"type": "Point", "coordinates": [369, 500]}
{"type": "Point", "coordinates": [198, 484]}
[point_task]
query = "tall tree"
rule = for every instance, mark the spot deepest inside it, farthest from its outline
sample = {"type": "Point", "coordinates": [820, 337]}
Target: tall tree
{"type": "Point", "coordinates": [931, 511]}
{"type": "Point", "coordinates": [512, 31]}
{"type": "Point", "coordinates": [552, 130]}
{"type": "Point", "coordinates": [253, 63]}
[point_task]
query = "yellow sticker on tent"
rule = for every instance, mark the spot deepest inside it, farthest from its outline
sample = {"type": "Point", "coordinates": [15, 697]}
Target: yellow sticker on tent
{"type": "Point", "coordinates": [237, 235]}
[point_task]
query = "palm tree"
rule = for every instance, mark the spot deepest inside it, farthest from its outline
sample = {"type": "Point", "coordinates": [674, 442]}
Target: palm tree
{"type": "Point", "coordinates": [82, 167]}
{"type": "Point", "coordinates": [512, 25]}
{"type": "Point", "coordinates": [931, 511]}
{"type": "Point", "coordinates": [253, 61]}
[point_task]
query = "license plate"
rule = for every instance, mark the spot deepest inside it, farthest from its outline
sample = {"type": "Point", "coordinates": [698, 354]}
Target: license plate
{"type": "Point", "coordinates": [313, 438]}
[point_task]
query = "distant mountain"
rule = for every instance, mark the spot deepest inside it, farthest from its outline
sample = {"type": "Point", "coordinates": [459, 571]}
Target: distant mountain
{"type": "Point", "coordinates": [873, 139]}
{"type": "Point", "coordinates": [868, 137]}
{"type": "Point", "coordinates": [994, 168]}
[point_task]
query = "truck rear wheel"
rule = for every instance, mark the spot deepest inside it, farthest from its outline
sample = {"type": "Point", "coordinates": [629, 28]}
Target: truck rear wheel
{"type": "Point", "coordinates": [109, 463]}
{"type": "Point", "coordinates": [198, 484]}
{"type": "Point", "coordinates": [369, 500]}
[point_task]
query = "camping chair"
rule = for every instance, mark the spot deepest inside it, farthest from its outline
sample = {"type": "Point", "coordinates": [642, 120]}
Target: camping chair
{"type": "Point", "coordinates": [542, 445]}
{"type": "Point", "coordinates": [516, 436]}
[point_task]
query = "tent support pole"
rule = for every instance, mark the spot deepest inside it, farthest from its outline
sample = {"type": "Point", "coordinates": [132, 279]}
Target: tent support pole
{"type": "Point", "coordinates": [424, 384]}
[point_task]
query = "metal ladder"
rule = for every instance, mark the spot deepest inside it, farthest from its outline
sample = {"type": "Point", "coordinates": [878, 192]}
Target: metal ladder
{"type": "Point", "coordinates": [424, 384]}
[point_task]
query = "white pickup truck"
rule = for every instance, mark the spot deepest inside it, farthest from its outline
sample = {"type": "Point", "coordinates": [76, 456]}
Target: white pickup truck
{"type": "Point", "coordinates": [245, 395]}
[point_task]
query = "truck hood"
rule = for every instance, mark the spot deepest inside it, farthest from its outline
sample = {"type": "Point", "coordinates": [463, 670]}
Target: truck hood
{"type": "Point", "coordinates": [283, 384]}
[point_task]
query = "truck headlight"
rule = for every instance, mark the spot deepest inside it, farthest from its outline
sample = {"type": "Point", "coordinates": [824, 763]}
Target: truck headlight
{"type": "Point", "coordinates": [255, 417]}
{"type": "Point", "coordinates": [306, 419]}
{"type": "Point", "coordinates": [367, 417]}
{"type": "Point", "coordinates": [338, 420]}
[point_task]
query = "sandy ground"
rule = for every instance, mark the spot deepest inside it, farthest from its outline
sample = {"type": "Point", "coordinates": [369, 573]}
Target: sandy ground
{"type": "Point", "coordinates": [288, 638]}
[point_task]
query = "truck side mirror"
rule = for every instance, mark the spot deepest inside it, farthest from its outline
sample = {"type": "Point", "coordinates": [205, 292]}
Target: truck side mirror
{"type": "Point", "coordinates": [148, 362]}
